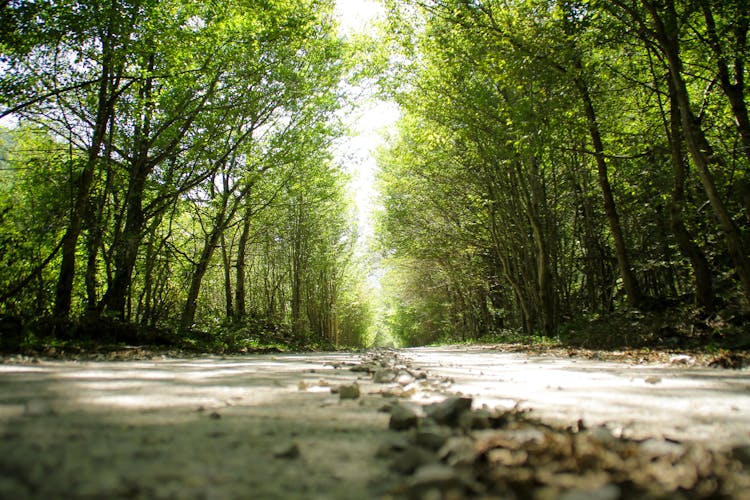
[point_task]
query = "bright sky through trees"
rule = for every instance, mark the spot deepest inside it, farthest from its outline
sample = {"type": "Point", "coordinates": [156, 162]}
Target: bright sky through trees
{"type": "Point", "coordinates": [357, 15]}
{"type": "Point", "coordinates": [367, 121]}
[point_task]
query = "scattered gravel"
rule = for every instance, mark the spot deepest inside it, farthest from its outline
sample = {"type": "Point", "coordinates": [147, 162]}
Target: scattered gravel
{"type": "Point", "coordinates": [451, 450]}
{"type": "Point", "coordinates": [318, 426]}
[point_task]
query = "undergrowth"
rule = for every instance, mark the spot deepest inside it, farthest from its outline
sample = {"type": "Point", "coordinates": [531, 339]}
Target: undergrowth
{"type": "Point", "coordinates": [677, 328]}
{"type": "Point", "coordinates": [51, 336]}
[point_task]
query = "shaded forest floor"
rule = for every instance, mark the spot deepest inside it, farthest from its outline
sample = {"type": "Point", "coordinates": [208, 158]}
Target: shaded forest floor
{"type": "Point", "coordinates": [674, 336]}
{"type": "Point", "coordinates": [109, 339]}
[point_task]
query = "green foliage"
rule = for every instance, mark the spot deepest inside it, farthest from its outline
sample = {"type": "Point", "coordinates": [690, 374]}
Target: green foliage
{"type": "Point", "coordinates": [177, 144]}
{"type": "Point", "coordinates": [532, 134]}
{"type": "Point", "coordinates": [34, 170]}
{"type": "Point", "coordinates": [172, 169]}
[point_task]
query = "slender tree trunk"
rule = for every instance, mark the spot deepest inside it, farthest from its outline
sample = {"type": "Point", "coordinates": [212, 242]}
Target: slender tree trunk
{"type": "Point", "coordinates": [333, 321]}
{"type": "Point", "coordinates": [704, 294]}
{"type": "Point", "coordinates": [64, 288]}
{"type": "Point", "coordinates": [96, 235]}
{"type": "Point", "coordinates": [191, 304]}
{"type": "Point", "coordinates": [196, 280]}
{"type": "Point", "coordinates": [297, 288]}
{"type": "Point", "coordinates": [143, 312]}
{"type": "Point", "coordinates": [92, 251]}
{"type": "Point", "coordinates": [297, 257]}
{"type": "Point", "coordinates": [154, 248]}
{"type": "Point", "coordinates": [240, 298]}
{"type": "Point", "coordinates": [629, 281]}
{"type": "Point", "coordinates": [226, 259]}
{"type": "Point", "coordinates": [544, 273]}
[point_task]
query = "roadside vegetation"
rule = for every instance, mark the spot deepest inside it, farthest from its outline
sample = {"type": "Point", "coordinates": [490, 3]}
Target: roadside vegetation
{"type": "Point", "coordinates": [570, 170]}
{"type": "Point", "coordinates": [167, 176]}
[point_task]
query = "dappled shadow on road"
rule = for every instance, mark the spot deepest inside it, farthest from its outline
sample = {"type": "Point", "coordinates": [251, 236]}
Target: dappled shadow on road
{"type": "Point", "coordinates": [199, 428]}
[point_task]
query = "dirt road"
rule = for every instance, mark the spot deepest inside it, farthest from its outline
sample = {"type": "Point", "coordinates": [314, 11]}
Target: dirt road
{"type": "Point", "coordinates": [674, 400]}
{"type": "Point", "coordinates": [269, 426]}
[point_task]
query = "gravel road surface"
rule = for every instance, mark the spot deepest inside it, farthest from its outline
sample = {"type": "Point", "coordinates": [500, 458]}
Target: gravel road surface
{"type": "Point", "coordinates": [294, 426]}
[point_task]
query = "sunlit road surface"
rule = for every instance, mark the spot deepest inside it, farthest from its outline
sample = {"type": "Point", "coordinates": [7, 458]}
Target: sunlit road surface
{"type": "Point", "coordinates": [208, 382]}
{"type": "Point", "coordinates": [705, 405]}
{"type": "Point", "coordinates": [697, 404]}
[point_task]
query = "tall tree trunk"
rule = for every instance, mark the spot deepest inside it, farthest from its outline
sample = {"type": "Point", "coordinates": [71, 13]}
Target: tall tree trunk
{"type": "Point", "coordinates": [240, 298]}
{"type": "Point", "coordinates": [297, 287]}
{"type": "Point", "coordinates": [191, 303]}
{"type": "Point", "coordinates": [704, 294]}
{"type": "Point", "coordinates": [105, 105]}
{"type": "Point", "coordinates": [94, 239]}
{"type": "Point", "coordinates": [333, 321]}
{"type": "Point", "coordinates": [143, 312]}
{"type": "Point", "coordinates": [95, 235]}
{"type": "Point", "coordinates": [629, 281]}
{"type": "Point", "coordinates": [297, 262]}
{"type": "Point", "coordinates": [154, 248]}
{"type": "Point", "coordinates": [226, 259]}
{"type": "Point", "coordinates": [211, 242]}
{"type": "Point", "coordinates": [126, 255]}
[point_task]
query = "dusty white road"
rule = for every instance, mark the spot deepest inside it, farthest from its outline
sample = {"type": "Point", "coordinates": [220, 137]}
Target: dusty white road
{"type": "Point", "coordinates": [269, 427]}
{"type": "Point", "coordinates": [707, 405]}
{"type": "Point", "coordinates": [204, 428]}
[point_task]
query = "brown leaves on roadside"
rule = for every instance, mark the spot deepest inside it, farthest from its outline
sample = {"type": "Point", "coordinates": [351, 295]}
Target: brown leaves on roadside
{"type": "Point", "coordinates": [519, 457]}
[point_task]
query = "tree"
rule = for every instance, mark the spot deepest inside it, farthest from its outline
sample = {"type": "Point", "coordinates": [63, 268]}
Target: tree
{"type": "Point", "coordinates": [661, 25]}
{"type": "Point", "coordinates": [74, 100]}
{"type": "Point", "coordinates": [514, 112]}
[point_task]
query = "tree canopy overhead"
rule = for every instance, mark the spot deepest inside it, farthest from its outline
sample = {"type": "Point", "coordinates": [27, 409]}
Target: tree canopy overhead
{"type": "Point", "coordinates": [172, 166]}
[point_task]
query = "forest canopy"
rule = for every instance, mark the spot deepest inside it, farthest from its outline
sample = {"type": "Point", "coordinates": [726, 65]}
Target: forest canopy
{"type": "Point", "coordinates": [171, 168]}
{"type": "Point", "coordinates": [168, 170]}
